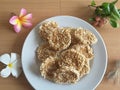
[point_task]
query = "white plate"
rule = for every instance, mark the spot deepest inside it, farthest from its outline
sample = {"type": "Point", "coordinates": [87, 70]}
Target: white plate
{"type": "Point", "coordinates": [31, 69]}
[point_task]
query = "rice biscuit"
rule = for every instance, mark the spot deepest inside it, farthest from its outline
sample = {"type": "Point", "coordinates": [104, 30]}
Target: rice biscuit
{"type": "Point", "coordinates": [46, 28]}
{"type": "Point", "coordinates": [72, 58]}
{"type": "Point", "coordinates": [48, 67]}
{"type": "Point", "coordinates": [74, 40]}
{"type": "Point", "coordinates": [86, 50]}
{"type": "Point", "coordinates": [60, 39]}
{"type": "Point", "coordinates": [86, 69]}
{"type": "Point", "coordinates": [44, 51]}
{"type": "Point", "coordinates": [85, 36]}
{"type": "Point", "coordinates": [66, 75]}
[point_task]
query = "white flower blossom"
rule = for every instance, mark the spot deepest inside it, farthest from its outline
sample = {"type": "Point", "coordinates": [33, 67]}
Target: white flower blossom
{"type": "Point", "coordinates": [13, 65]}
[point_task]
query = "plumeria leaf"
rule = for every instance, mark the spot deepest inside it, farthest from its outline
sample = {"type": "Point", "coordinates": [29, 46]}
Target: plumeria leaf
{"type": "Point", "coordinates": [114, 2]}
{"type": "Point", "coordinates": [91, 19]}
{"type": "Point", "coordinates": [114, 23]}
{"type": "Point", "coordinates": [93, 3]}
{"type": "Point", "coordinates": [106, 8]}
{"type": "Point", "coordinates": [106, 11]}
{"type": "Point", "coordinates": [114, 10]}
{"type": "Point", "coordinates": [114, 17]}
{"type": "Point", "coordinates": [119, 11]}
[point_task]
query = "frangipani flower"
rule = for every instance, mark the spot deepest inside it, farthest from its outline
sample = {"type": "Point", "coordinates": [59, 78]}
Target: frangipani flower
{"type": "Point", "coordinates": [13, 65]}
{"type": "Point", "coordinates": [23, 19]}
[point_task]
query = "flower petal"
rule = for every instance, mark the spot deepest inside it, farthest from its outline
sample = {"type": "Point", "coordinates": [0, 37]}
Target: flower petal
{"type": "Point", "coordinates": [13, 20]}
{"type": "Point", "coordinates": [28, 16]}
{"type": "Point", "coordinates": [17, 27]}
{"type": "Point", "coordinates": [27, 24]}
{"type": "Point", "coordinates": [23, 12]}
{"type": "Point", "coordinates": [16, 69]}
{"type": "Point", "coordinates": [5, 58]}
{"type": "Point", "coordinates": [5, 72]}
{"type": "Point", "coordinates": [14, 56]}
{"type": "Point", "coordinates": [17, 64]}
{"type": "Point", "coordinates": [16, 72]}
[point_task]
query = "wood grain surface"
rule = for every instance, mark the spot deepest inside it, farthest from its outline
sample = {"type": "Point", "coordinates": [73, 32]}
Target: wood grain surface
{"type": "Point", "coordinates": [42, 9]}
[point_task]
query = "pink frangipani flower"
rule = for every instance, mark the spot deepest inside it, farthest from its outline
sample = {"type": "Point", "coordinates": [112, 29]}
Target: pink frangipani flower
{"type": "Point", "coordinates": [23, 19]}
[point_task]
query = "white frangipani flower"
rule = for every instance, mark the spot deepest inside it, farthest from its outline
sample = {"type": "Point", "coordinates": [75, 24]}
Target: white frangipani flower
{"type": "Point", "coordinates": [13, 65]}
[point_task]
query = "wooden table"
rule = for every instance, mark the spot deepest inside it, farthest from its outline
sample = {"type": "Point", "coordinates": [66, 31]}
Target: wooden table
{"type": "Point", "coordinates": [42, 9]}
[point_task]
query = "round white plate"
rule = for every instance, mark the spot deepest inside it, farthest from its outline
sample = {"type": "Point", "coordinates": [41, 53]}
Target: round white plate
{"type": "Point", "coordinates": [31, 68]}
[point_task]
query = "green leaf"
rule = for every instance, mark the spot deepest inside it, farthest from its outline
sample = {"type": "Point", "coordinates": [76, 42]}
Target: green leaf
{"type": "Point", "coordinates": [91, 19]}
{"type": "Point", "coordinates": [114, 10]}
{"type": "Point", "coordinates": [106, 8]}
{"type": "Point", "coordinates": [93, 3]}
{"type": "Point", "coordinates": [114, 17]}
{"type": "Point", "coordinates": [114, 2]}
{"type": "Point", "coordinates": [119, 11]}
{"type": "Point", "coordinates": [100, 12]}
{"type": "Point", "coordinates": [114, 23]}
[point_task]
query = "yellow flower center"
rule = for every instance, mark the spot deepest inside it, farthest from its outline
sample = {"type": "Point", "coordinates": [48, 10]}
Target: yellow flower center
{"type": "Point", "coordinates": [10, 65]}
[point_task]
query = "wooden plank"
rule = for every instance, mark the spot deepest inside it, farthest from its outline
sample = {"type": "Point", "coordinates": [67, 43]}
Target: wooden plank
{"type": "Point", "coordinates": [42, 9]}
